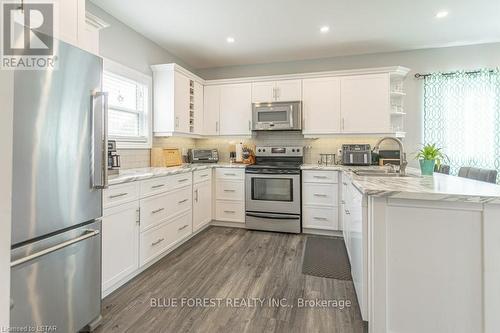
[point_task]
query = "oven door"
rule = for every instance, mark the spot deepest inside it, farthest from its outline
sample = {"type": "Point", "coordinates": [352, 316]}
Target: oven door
{"type": "Point", "coordinates": [273, 117]}
{"type": "Point", "coordinates": [273, 193]}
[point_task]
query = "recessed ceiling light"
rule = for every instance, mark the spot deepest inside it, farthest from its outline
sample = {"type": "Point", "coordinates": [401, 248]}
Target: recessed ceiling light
{"type": "Point", "coordinates": [442, 14]}
{"type": "Point", "coordinates": [230, 40]}
{"type": "Point", "coordinates": [324, 29]}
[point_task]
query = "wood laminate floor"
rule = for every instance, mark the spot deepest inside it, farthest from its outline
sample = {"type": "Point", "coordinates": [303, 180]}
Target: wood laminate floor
{"type": "Point", "coordinates": [230, 265]}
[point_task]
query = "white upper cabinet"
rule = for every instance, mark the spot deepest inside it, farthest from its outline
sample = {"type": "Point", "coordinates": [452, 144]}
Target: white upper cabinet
{"type": "Point", "coordinates": [277, 91]}
{"type": "Point", "coordinates": [181, 104]}
{"type": "Point", "coordinates": [365, 103]}
{"type": "Point", "coordinates": [263, 92]}
{"type": "Point", "coordinates": [236, 109]}
{"type": "Point", "coordinates": [321, 105]}
{"type": "Point", "coordinates": [178, 101]}
{"type": "Point", "coordinates": [289, 90]}
{"type": "Point", "coordinates": [211, 107]}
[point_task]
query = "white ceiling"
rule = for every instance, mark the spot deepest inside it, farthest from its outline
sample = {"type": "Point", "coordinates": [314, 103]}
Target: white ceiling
{"type": "Point", "coordinates": [285, 30]}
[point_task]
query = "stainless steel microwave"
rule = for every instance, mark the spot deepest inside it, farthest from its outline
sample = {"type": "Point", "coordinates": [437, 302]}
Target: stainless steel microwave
{"type": "Point", "coordinates": [284, 116]}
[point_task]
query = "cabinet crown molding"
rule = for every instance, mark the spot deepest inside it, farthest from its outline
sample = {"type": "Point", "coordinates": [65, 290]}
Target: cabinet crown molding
{"type": "Point", "coordinates": [394, 71]}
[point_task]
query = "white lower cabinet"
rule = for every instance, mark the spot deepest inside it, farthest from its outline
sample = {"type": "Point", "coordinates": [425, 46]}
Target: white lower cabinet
{"type": "Point", "coordinates": [159, 239]}
{"type": "Point", "coordinates": [120, 244]}
{"type": "Point", "coordinates": [202, 199]}
{"type": "Point", "coordinates": [230, 195]}
{"type": "Point", "coordinates": [320, 200]}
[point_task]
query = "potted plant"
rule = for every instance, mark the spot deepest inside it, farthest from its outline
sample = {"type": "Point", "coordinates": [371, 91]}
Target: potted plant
{"type": "Point", "coordinates": [430, 156]}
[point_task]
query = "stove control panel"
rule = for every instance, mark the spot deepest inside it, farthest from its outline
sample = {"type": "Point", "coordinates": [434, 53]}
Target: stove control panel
{"type": "Point", "coordinates": [279, 151]}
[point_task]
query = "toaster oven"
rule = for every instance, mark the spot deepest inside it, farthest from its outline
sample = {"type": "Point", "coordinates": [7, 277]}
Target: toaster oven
{"type": "Point", "coordinates": [203, 156]}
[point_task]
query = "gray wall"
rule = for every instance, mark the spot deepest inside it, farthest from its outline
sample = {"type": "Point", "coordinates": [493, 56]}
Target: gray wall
{"type": "Point", "coordinates": [124, 45]}
{"type": "Point", "coordinates": [429, 60]}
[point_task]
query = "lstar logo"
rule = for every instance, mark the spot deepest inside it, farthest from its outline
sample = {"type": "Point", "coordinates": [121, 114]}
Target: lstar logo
{"type": "Point", "coordinates": [27, 35]}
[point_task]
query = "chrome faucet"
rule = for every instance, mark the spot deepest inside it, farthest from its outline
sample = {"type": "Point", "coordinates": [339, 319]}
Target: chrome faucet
{"type": "Point", "coordinates": [402, 154]}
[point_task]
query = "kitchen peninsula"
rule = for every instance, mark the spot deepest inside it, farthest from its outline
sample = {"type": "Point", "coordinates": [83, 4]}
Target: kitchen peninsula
{"type": "Point", "coordinates": [424, 250]}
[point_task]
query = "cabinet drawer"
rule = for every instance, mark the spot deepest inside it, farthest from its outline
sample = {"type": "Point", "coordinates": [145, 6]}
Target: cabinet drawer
{"type": "Point", "coordinates": [153, 242]}
{"type": "Point", "coordinates": [202, 175]}
{"type": "Point", "coordinates": [154, 210]}
{"type": "Point", "coordinates": [230, 211]}
{"type": "Point", "coordinates": [230, 190]}
{"type": "Point", "coordinates": [320, 194]}
{"type": "Point", "coordinates": [180, 228]}
{"type": "Point", "coordinates": [230, 174]}
{"type": "Point", "coordinates": [320, 218]}
{"type": "Point", "coordinates": [330, 177]}
{"type": "Point", "coordinates": [179, 201]}
{"type": "Point", "coordinates": [119, 194]}
{"type": "Point", "coordinates": [154, 186]}
{"type": "Point", "coordinates": [180, 180]}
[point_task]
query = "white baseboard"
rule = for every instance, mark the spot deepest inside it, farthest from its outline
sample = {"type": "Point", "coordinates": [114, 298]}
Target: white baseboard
{"type": "Point", "coordinates": [336, 233]}
{"type": "Point", "coordinates": [228, 224]}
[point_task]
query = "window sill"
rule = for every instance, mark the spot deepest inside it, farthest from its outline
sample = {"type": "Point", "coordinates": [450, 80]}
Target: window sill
{"type": "Point", "coordinates": [131, 144]}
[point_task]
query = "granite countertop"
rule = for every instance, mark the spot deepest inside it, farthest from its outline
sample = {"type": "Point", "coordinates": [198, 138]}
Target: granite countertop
{"type": "Point", "coordinates": [436, 187]}
{"type": "Point", "coordinates": [130, 175]}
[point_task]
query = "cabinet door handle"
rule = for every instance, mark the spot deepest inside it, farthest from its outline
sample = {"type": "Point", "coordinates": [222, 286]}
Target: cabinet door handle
{"type": "Point", "coordinates": [182, 201]}
{"type": "Point", "coordinates": [204, 175]}
{"type": "Point", "coordinates": [183, 180]}
{"type": "Point", "coordinates": [277, 93]}
{"type": "Point", "coordinates": [176, 122]}
{"type": "Point", "coordinates": [342, 202]}
{"type": "Point", "coordinates": [320, 218]}
{"type": "Point", "coordinates": [249, 125]}
{"type": "Point", "coordinates": [343, 124]}
{"type": "Point", "coordinates": [183, 227]}
{"type": "Point", "coordinates": [138, 216]}
{"type": "Point", "coordinates": [320, 195]}
{"type": "Point", "coordinates": [229, 211]}
{"type": "Point", "coordinates": [157, 186]}
{"type": "Point", "coordinates": [216, 127]}
{"type": "Point", "coordinates": [156, 211]}
{"type": "Point", "coordinates": [347, 212]}
{"type": "Point", "coordinates": [196, 195]}
{"type": "Point", "coordinates": [229, 191]}
{"type": "Point", "coordinates": [345, 184]}
{"type": "Point", "coordinates": [118, 195]}
{"type": "Point", "coordinates": [229, 174]}
{"type": "Point", "coordinates": [320, 177]}
{"type": "Point", "coordinates": [157, 242]}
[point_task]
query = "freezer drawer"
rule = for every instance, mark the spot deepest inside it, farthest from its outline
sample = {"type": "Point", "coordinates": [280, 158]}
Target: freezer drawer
{"type": "Point", "coordinates": [57, 281]}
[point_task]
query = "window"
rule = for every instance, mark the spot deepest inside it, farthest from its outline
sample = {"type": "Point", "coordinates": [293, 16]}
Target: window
{"type": "Point", "coordinates": [462, 115]}
{"type": "Point", "coordinates": [129, 106]}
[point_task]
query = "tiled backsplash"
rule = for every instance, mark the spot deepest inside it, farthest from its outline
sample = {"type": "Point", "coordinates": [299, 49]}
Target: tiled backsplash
{"type": "Point", "coordinates": [312, 147]}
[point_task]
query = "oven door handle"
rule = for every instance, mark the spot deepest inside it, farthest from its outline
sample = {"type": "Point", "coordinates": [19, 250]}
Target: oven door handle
{"type": "Point", "coordinates": [274, 216]}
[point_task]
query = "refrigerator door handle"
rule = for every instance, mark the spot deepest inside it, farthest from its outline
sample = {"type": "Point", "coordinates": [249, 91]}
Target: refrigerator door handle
{"type": "Point", "coordinates": [100, 179]}
{"type": "Point", "coordinates": [88, 233]}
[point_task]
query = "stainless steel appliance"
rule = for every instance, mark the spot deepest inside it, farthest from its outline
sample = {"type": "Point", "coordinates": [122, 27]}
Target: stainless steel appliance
{"type": "Point", "coordinates": [113, 158]}
{"type": "Point", "coordinates": [284, 116]}
{"type": "Point", "coordinates": [273, 195]}
{"type": "Point", "coordinates": [60, 169]}
{"type": "Point", "coordinates": [356, 154]}
{"type": "Point", "coordinates": [203, 156]}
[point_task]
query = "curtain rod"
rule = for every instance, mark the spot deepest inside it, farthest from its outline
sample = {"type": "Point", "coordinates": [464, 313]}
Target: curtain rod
{"type": "Point", "coordinates": [419, 76]}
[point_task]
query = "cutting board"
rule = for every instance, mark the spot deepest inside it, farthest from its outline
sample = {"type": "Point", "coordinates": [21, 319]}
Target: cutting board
{"type": "Point", "coordinates": [165, 157]}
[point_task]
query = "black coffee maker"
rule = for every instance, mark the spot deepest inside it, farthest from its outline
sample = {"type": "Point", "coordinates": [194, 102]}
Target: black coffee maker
{"type": "Point", "coordinates": [113, 158]}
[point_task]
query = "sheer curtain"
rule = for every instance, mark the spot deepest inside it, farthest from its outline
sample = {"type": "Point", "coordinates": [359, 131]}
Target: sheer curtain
{"type": "Point", "coordinates": [462, 115]}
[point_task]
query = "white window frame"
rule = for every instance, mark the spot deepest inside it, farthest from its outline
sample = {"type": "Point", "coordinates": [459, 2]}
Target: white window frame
{"type": "Point", "coordinates": [132, 74]}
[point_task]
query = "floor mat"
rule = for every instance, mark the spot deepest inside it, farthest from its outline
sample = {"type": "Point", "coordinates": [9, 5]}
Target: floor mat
{"type": "Point", "coordinates": [326, 257]}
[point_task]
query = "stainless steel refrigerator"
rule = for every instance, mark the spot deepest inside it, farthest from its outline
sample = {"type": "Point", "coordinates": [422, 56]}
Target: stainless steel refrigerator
{"type": "Point", "coordinates": [58, 175]}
